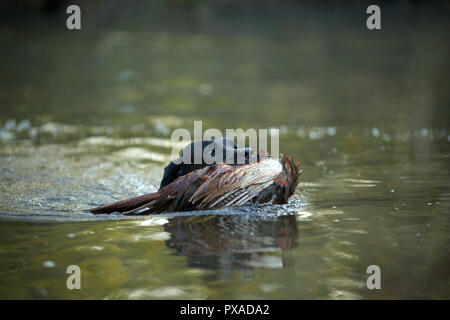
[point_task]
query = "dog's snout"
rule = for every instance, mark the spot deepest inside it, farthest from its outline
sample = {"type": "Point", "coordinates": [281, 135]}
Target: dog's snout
{"type": "Point", "coordinates": [247, 153]}
{"type": "Point", "coordinates": [251, 156]}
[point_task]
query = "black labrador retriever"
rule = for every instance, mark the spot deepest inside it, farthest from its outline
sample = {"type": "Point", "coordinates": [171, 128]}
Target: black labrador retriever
{"type": "Point", "coordinates": [200, 154]}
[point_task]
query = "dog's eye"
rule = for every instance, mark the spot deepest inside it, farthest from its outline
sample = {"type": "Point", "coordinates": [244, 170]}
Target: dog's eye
{"type": "Point", "coordinates": [213, 152]}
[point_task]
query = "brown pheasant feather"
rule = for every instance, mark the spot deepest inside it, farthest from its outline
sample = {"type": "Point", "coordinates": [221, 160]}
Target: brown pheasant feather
{"type": "Point", "coordinates": [216, 186]}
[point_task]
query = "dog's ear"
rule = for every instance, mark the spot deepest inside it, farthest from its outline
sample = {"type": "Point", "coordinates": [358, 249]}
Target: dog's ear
{"type": "Point", "coordinates": [170, 174]}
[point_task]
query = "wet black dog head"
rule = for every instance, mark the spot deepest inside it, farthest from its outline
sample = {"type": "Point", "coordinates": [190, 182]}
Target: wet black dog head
{"type": "Point", "coordinates": [200, 154]}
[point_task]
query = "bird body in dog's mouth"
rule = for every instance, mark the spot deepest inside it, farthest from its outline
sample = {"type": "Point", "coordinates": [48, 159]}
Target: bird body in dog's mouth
{"type": "Point", "coordinates": [187, 187]}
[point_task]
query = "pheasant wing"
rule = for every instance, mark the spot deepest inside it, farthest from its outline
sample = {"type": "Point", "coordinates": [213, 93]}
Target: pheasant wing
{"type": "Point", "coordinates": [231, 185]}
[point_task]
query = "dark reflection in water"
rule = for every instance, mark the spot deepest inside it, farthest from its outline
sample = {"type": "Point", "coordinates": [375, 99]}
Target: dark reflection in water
{"type": "Point", "coordinates": [228, 242]}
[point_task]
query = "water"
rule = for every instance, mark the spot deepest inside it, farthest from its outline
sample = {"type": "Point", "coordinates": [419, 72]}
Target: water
{"type": "Point", "coordinates": [86, 119]}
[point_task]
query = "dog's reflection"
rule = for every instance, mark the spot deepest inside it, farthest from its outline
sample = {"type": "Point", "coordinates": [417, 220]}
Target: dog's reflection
{"type": "Point", "coordinates": [233, 241]}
